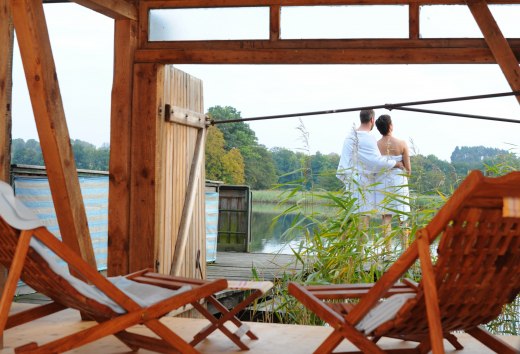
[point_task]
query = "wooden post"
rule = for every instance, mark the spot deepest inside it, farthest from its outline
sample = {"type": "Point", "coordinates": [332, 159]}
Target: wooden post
{"type": "Point", "coordinates": [125, 43]}
{"type": "Point", "coordinates": [146, 111]}
{"type": "Point", "coordinates": [40, 72]}
{"type": "Point", "coordinates": [6, 84]}
{"type": "Point", "coordinates": [413, 20]}
{"type": "Point", "coordinates": [495, 40]}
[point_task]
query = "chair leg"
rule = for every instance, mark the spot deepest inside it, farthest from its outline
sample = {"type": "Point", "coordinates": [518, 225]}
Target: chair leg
{"type": "Point", "coordinates": [453, 341]}
{"type": "Point", "coordinates": [170, 337]}
{"type": "Point", "coordinates": [330, 343]}
{"type": "Point", "coordinates": [227, 315]}
{"type": "Point", "coordinates": [491, 341]}
{"type": "Point", "coordinates": [12, 278]}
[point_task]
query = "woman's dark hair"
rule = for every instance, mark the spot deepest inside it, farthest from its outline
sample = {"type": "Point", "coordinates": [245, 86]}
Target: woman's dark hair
{"type": "Point", "coordinates": [383, 124]}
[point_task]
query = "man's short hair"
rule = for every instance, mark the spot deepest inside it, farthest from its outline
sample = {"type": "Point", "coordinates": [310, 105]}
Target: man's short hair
{"type": "Point", "coordinates": [366, 115]}
{"type": "Point", "coordinates": [383, 124]}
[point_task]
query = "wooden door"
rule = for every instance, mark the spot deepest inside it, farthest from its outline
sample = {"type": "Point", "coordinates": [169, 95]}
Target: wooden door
{"type": "Point", "coordinates": [167, 209]}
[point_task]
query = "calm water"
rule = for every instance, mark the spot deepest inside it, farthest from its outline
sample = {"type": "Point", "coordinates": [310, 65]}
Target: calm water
{"type": "Point", "coordinates": [267, 236]}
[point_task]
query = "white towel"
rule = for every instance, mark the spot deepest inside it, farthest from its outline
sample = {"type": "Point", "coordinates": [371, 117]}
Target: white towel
{"type": "Point", "coordinates": [383, 312]}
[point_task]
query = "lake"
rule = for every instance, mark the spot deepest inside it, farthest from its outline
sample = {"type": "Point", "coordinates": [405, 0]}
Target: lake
{"type": "Point", "coordinates": [266, 235]}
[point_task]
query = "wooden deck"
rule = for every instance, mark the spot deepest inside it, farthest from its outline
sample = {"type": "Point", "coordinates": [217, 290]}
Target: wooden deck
{"type": "Point", "coordinates": [274, 338]}
{"type": "Point", "coordinates": [238, 266]}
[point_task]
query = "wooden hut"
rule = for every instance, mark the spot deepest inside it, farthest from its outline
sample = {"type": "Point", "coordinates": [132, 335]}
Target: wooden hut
{"type": "Point", "coordinates": [157, 119]}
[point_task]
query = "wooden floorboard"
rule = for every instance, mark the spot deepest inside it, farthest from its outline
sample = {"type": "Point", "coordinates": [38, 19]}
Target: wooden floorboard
{"type": "Point", "coordinates": [239, 266]}
{"type": "Point", "coordinates": [273, 338]}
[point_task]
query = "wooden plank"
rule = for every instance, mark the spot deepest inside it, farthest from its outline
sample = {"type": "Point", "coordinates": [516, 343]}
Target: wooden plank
{"type": "Point", "coordinates": [319, 56]}
{"type": "Point", "coordinates": [504, 55]}
{"type": "Point", "coordinates": [185, 117]}
{"type": "Point", "coordinates": [238, 3]}
{"type": "Point", "coordinates": [116, 9]}
{"type": "Point", "coordinates": [239, 266]}
{"type": "Point", "coordinates": [345, 44]}
{"type": "Point", "coordinates": [189, 203]}
{"type": "Point", "coordinates": [125, 43]}
{"type": "Point", "coordinates": [44, 91]}
{"type": "Point", "coordinates": [6, 86]}
{"type": "Point", "coordinates": [146, 111]}
{"type": "Point", "coordinates": [430, 293]}
{"type": "Point", "coordinates": [413, 21]}
{"type": "Point", "coordinates": [274, 23]}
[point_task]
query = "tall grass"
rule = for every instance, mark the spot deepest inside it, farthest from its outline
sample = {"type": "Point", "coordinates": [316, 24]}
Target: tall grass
{"type": "Point", "coordinates": [337, 248]}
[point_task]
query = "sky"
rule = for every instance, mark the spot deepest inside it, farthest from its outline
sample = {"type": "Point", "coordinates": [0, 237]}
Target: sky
{"type": "Point", "coordinates": [82, 44]}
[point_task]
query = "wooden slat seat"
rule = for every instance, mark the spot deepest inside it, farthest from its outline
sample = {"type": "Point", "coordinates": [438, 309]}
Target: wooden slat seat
{"type": "Point", "coordinates": [115, 303]}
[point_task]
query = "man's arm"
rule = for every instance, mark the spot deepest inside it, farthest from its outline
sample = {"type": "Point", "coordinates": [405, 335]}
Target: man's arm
{"type": "Point", "coordinates": [371, 156]}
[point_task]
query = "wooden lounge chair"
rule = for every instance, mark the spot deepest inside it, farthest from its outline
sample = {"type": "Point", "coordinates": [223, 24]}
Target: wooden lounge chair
{"type": "Point", "coordinates": [115, 303]}
{"type": "Point", "coordinates": [474, 276]}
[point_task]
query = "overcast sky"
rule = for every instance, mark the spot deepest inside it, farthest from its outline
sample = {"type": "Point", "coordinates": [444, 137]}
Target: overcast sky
{"type": "Point", "coordinates": [82, 42]}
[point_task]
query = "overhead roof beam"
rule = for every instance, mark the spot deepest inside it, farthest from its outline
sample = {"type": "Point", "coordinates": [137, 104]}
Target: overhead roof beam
{"type": "Point", "coordinates": [239, 3]}
{"type": "Point", "coordinates": [373, 51]}
{"type": "Point", "coordinates": [504, 55]}
{"type": "Point", "coordinates": [116, 9]}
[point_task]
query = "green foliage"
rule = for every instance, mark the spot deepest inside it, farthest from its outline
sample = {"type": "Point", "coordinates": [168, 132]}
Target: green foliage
{"type": "Point", "coordinates": [26, 153]}
{"type": "Point", "coordinates": [233, 167]}
{"type": "Point", "coordinates": [259, 167]}
{"type": "Point", "coordinates": [87, 156]}
{"type": "Point", "coordinates": [236, 135]}
{"type": "Point", "coordinates": [431, 175]}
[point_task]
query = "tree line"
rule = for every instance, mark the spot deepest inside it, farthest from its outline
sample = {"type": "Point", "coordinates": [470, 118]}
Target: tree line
{"type": "Point", "coordinates": [234, 156]}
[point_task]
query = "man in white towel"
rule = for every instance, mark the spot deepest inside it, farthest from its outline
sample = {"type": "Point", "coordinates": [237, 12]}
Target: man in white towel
{"type": "Point", "coordinates": [359, 164]}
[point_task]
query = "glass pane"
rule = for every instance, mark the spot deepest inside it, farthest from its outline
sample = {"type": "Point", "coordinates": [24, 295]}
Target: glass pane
{"type": "Point", "coordinates": [356, 21]}
{"type": "Point", "coordinates": [456, 21]}
{"type": "Point", "coordinates": [209, 24]}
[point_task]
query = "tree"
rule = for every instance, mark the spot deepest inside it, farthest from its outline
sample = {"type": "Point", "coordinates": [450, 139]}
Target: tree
{"type": "Point", "coordinates": [431, 175]}
{"type": "Point", "coordinates": [326, 177]}
{"type": "Point", "coordinates": [233, 167]}
{"type": "Point", "coordinates": [259, 168]}
{"type": "Point", "coordinates": [26, 153]}
{"type": "Point", "coordinates": [86, 155]}
{"type": "Point", "coordinates": [236, 135]}
{"type": "Point", "coordinates": [287, 165]}
{"type": "Point", "coordinates": [222, 165]}
{"type": "Point", "coordinates": [214, 154]}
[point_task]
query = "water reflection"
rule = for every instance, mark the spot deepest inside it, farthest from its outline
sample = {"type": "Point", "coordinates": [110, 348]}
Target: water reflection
{"type": "Point", "coordinates": [266, 235]}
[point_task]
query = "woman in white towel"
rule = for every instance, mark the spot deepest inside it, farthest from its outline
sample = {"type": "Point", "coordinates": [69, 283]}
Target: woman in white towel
{"type": "Point", "coordinates": [393, 195]}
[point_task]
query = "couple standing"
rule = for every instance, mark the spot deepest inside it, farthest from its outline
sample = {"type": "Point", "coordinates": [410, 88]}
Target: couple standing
{"type": "Point", "coordinates": [376, 171]}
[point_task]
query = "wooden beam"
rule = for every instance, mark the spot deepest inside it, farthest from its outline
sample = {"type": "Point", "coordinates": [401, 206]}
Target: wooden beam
{"type": "Point", "coordinates": [189, 202]}
{"type": "Point", "coordinates": [147, 110]}
{"type": "Point", "coordinates": [6, 85]}
{"type": "Point", "coordinates": [319, 56]}
{"type": "Point", "coordinates": [244, 3]}
{"type": "Point", "coordinates": [44, 91]}
{"type": "Point", "coordinates": [504, 55]}
{"type": "Point", "coordinates": [413, 20]}
{"type": "Point", "coordinates": [125, 43]}
{"type": "Point", "coordinates": [332, 51]}
{"type": "Point", "coordinates": [274, 23]}
{"type": "Point", "coordinates": [116, 9]}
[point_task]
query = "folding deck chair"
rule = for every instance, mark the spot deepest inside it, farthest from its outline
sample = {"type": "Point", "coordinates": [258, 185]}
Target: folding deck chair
{"type": "Point", "coordinates": [475, 274]}
{"type": "Point", "coordinates": [116, 303]}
